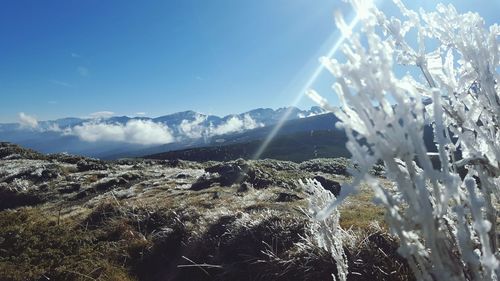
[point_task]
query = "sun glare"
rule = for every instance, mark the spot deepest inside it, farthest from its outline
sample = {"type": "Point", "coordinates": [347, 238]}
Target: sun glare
{"type": "Point", "coordinates": [303, 91]}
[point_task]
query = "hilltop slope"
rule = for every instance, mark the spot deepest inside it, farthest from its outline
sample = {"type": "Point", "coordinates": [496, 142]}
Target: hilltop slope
{"type": "Point", "coordinates": [66, 217]}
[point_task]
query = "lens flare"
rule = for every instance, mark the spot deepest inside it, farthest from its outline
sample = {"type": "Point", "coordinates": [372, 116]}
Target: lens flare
{"type": "Point", "coordinates": [333, 50]}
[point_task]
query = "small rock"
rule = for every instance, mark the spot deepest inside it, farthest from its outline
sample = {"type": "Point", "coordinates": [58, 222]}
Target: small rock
{"type": "Point", "coordinates": [106, 185]}
{"type": "Point", "coordinates": [244, 187]}
{"type": "Point", "coordinates": [131, 176]}
{"type": "Point", "coordinates": [231, 172]}
{"type": "Point", "coordinates": [43, 187]}
{"type": "Point", "coordinates": [287, 197]}
{"type": "Point", "coordinates": [85, 165]}
{"type": "Point", "coordinates": [81, 194]}
{"type": "Point", "coordinates": [260, 178]}
{"type": "Point", "coordinates": [216, 195]}
{"type": "Point", "coordinates": [330, 185]}
{"type": "Point", "coordinates": [49, 174]}
{"type": "Point", "coordinates": [73, 187]}
{"type": "Point", "coordinates": [182, 176]}
{"type": "Point", "coordinates": [204, 181]}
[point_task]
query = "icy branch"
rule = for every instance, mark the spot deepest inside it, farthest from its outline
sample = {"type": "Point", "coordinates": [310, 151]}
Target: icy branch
{"type": "Point", "coordinates": [446, 221]}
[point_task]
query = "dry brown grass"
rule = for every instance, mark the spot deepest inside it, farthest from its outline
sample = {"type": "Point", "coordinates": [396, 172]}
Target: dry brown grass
{"type": "Point", "coordinates": [244, 235]}
{"type": "Point", "coordinates": [35, 247]}
{"type": "Point", "coordinates": [359, 212]}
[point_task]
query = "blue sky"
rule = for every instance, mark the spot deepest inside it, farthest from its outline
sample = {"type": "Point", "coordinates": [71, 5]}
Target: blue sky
{"type": "Point", "coordinates": [64, 58]}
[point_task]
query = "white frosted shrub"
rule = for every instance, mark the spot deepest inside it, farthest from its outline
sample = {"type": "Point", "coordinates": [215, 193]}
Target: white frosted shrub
{"type": "Point", "coordinates": [446, 224]}
{"type": "Point", "coordinates": [326, 233]}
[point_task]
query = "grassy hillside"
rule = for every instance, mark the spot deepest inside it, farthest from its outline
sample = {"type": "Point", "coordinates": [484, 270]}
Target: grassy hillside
{"type": "Point", "coordinates": [152, 220]}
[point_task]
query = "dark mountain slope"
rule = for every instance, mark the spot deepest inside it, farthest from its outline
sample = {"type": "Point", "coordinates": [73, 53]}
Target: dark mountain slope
{"type": "Point", "coordinates": [295, 147]}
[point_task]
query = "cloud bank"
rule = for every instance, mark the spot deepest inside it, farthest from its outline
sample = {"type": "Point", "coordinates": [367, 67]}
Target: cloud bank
{"type": "Point", "coordinates": [144, 132]}
{"type": "Point", "coordinates": [198, 128]}
{"type": "Point", "coordinates": [235, 124]}
{"type": "Point", "coordinates": [27, 121]}
{"type": "Point", "coordinates": [193, 129]}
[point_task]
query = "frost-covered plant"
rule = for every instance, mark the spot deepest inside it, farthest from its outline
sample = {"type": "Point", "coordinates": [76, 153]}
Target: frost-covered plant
{"type": "Point", "coordinates": [326, 233]}
{"type": "Point", "coordinates": [446, 223]}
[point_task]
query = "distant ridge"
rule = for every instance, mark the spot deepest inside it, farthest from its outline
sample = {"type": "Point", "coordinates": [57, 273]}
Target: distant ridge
{"type": "Point", "coordinates": [124, 136]}
{"type": "Point", "coordinates": [298, 140]}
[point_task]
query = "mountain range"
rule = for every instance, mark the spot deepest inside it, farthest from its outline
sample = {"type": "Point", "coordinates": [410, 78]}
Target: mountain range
{"type": "Point", "coordinates": [123, 136]}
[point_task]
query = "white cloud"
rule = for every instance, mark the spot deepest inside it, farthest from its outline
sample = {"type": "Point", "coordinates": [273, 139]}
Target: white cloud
{"type": "Point", "coordinates": [197, 129]}
{"type": "Point", "coordinates": [193, 129]}
{"type": "Point", "coordinates": [140, 113]}
{"type": "Point", "coordinates": [101, 114]}
{"type": "Point", "coordinates": [27, 121]}
{"type": "Point", "coordinates": [144, 132]}
{"type": "Point", "coordinates": [235, 124]}
{"type": "Point", "coordinates": [55, 128]}
{"type": "Point", "coordinates": [83, 71]}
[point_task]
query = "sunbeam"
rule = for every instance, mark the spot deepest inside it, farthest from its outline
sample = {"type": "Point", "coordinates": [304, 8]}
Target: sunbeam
{"type": "Point", "coordinates": [303, 91]}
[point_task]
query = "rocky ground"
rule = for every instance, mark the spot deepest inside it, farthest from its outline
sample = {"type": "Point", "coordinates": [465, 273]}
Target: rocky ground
{"type": "Point", "coordinates": [65, 217]}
